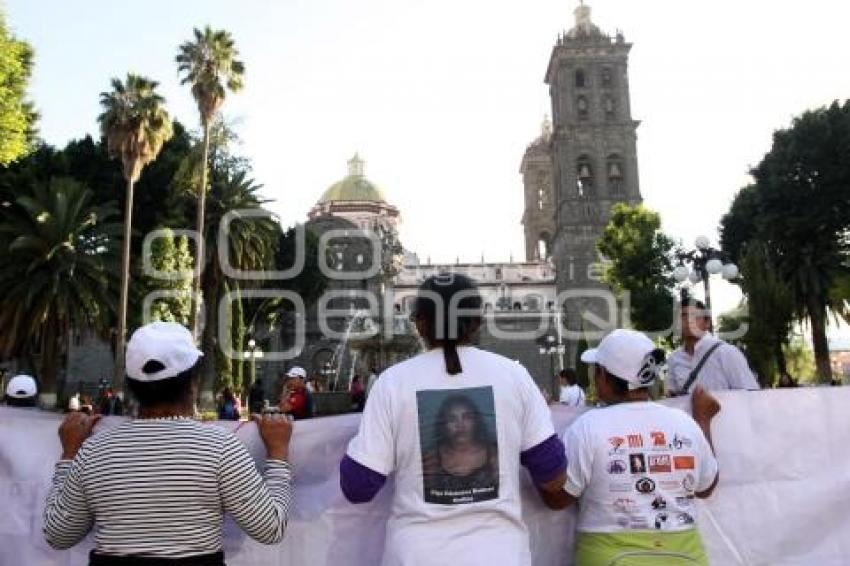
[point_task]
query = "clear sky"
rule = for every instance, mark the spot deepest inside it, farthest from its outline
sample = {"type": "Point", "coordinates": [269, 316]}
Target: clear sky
{"type": "Point", "coordinates": [441, 97]}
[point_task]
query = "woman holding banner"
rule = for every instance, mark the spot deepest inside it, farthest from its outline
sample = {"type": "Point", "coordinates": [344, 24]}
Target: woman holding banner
{"type": "Point", "coordinates": [453, 424]}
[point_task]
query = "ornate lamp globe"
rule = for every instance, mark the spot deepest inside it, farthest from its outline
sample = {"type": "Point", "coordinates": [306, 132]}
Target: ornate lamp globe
{"type": "Point", "coordinates": [714, 266]}
{"type": "Point", "coordinates": [680, 273]}
{"type": "Point", "coordinates": [730, 271]}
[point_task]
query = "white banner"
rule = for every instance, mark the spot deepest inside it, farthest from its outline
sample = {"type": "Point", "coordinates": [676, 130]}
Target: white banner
{"type": "Point", "coordinates": [783, 497]}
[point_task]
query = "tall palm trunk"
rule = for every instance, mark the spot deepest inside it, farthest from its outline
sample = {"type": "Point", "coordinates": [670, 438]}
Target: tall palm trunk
{"type": "Point", "coordinates": [49, 363]}
{"type": "Point", "coordinates": [781, 362]}
{"type": "Point", "coordinates": [208, 337]}
{"type": "Point", "coordinates": [817, 317]}
{"type": "Point", "coordinates": [121, 337]}
{"type": "Point", "coordinates": [199, 258]}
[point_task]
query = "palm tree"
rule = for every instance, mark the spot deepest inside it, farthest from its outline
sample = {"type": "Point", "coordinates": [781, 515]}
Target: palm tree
{"type": "Point", "coordinates": [209, 64]}
{"type": "Point", "coordinates": [135, 125]}
{"type": "Point", "coordinates": [251, 245]}
{"type": "Point", "coordinates": [58, 250]}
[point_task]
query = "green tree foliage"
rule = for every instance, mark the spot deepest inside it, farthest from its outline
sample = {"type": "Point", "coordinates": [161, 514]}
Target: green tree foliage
{"type": "Point", "coordinates": [640, 263]}
{"type": "Point", "coordinates": [170, 254]}
{"type": "Point", "coordinates": [250, 245]}
{"type": "Point", "coordinates": [17, 116]}
{"type": "Point", "coordinates": [801, 361]}
{"type": "Point", "coordinates": [57, 275]}
{"type": "Point", "coordinates": [799, 209]}
{"type": "Point", "coordinates": [770, 307]}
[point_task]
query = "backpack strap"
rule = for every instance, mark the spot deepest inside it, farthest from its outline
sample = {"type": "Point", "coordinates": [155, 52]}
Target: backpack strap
{"type": "Point", "coordinates": [695, 372]}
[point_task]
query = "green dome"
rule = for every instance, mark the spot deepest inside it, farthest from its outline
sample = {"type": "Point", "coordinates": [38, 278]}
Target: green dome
{"type": "Point", "coordinates": [355, 187]}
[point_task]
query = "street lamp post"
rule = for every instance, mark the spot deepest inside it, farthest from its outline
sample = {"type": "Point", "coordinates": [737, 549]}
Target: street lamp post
{"type": "Point", "coordinates": [552, 346]}
{"type": "Point", "coordinates": [252, 351]}
{"type": "Point", "coordinates": [326, 371]}
{"type": "Point", "coordinates": [705, 261]}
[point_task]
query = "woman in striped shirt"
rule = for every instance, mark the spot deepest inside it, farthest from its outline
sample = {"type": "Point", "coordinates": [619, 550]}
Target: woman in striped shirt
{"type": "Point", "coordinates": [156, 488]}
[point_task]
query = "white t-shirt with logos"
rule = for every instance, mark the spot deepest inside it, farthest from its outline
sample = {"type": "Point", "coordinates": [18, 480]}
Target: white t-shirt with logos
{"type": "Point", "coordinates": [453, 444]}
{"type": "Point", "coordinates": [637, 466]}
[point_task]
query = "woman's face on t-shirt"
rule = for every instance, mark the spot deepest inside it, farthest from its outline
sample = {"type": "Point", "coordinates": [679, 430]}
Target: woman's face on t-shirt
{"type": "Point", "coordinates": [460, 423]}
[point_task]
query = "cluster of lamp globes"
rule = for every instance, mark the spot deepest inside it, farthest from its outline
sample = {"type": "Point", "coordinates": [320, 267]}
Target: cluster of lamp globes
{"type": "Point", "coordinates": [729, 271]}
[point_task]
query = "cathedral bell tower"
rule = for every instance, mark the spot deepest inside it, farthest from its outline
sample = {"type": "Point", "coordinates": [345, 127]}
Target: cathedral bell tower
{"type": "Point", "coordinates": [593, 146]}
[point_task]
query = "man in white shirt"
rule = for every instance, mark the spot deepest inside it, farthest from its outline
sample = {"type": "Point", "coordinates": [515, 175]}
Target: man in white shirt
{"type": "Point", "coordinates": [635, 466]}
{"type": "Point", "coordinates": [718, 365]}
{"type": "Point", "coordinates": [572, 394]}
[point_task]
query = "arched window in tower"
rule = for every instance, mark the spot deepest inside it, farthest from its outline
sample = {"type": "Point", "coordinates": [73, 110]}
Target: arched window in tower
{"type": "Point", "coordinates": [607, 77]}
{"type": "Point", "coordinates": [581, 108]}
{"type": "Point", "coordinates": [543, 246]}
{"type": "Point", "coordinates": [580, 80]}
{"type": "Point", "coordinates": [614, 168]}
{"type": "Point", "coordinates": [610, 109]}
{"type": "Point", "coordinates": [542, 190]}
{"type": "Point", "coordinates": [584, 176]}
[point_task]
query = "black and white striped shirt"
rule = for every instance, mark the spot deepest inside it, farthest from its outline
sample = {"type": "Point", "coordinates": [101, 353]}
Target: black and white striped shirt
{"type": "Point", "coordinates": [160, 488]}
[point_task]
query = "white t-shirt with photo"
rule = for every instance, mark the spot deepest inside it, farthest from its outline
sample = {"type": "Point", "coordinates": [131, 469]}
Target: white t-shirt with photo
{"type": "Point", "coordinates": [448, 509]}
{"type": "Point", "coordinates": [637, 466]}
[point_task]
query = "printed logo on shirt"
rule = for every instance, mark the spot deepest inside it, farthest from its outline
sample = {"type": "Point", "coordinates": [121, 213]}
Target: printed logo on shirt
{"type": "Point", "coordinates": [624, 505]}
{"type": "Point", "coordinates": [686, 501]}
{"type": "Point", "coordinates": [658, 439]}
{"type": "Point", "coordinates": [645, 485]}
{"type": "Point", "coordinates": [680, 442]}
{"type": "Point", "coordinates": [458, 440]}
{"type": "Point", "coordinates": [637, 464]}
{"type": "Point", "coordinates": [616, 442]}
{"type": "Point", "coordinates": [659, 503]}
{"type": "Point", "coordinates": [661, 520]}
{"type": "Point", "coordinates": [620, 487]}
{"type": "Point", "coordinates": [616, 467]}
{"type": "Point", "coordinates": [685, 519]}
{"type": "Point", "coordinates": [660, 464]}
{"type": "Point", "coordinates": [683, 462]}
{"type": "Point", "coordinates": [635, 440]}
{"type": "Point", "coordinates": [689, 482]}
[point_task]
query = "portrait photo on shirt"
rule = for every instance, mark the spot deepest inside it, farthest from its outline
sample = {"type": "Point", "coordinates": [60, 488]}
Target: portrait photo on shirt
{"type": "Point", "coordinates": [637, 464]}
{"type": "Point", "coordinates": [460, 452]}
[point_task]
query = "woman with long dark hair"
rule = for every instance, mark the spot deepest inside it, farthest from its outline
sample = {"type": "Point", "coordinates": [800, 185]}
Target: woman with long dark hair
{"type": "Point", "coordinates": [453, 424]}
{"type": "Point", "coordinates": [465, 454]}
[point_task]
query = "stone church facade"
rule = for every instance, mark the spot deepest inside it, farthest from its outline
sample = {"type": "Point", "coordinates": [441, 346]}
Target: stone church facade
{"type": "Point", "coordinates": [583, 162]}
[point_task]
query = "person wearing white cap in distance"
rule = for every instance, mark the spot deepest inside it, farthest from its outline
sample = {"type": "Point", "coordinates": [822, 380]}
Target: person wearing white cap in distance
{"type": "Point", "coordinates": [635, 466]}
{"type": "Point", "coordinates": [296, 400]}
{"type": "Point", "coordinates": [156, 488]}
{"type": "Point", "coordinates": [22, 391]}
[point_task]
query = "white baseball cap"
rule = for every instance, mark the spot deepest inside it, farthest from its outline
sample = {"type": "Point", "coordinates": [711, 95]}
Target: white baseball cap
{"type": "Point", "coordinates": [629, 355]}
{"type": "Point", "coordinates": [168, 343]}
{"type": "Point", "coordinates": [297, 371]}
{"type": "Point", "coordinates": [21, 387]}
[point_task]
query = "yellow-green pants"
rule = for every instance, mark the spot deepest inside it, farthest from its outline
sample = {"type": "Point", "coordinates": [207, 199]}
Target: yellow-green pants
{"type": "Point", "coordinates": [641, 548]}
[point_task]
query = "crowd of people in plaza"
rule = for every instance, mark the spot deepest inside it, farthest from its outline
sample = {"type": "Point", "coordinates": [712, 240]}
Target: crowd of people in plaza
{"type": "Point", "coordinates": [452, 425]}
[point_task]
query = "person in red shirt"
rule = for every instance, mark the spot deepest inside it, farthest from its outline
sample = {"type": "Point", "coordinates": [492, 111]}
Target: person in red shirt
{"type": "Point", "coordinates": [296, 400]}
